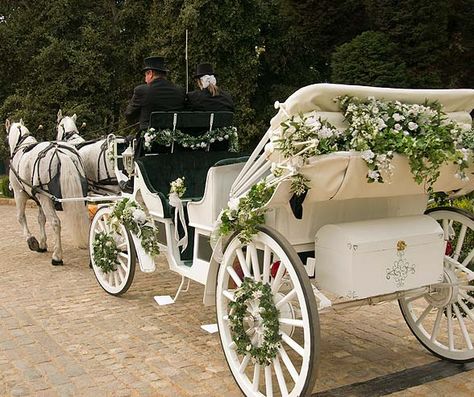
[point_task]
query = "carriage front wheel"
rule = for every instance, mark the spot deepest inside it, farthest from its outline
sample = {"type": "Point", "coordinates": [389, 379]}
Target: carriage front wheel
{"type": "Point", "coordinates": [443, 318]}
{"type": "Point", "coordinates": [267, 269]}
{"type": "Point", "coordinates": [118, 281]}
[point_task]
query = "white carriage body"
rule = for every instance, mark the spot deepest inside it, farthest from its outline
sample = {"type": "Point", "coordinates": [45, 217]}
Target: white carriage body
{"type": "Point", "coordinates": [340, 192]}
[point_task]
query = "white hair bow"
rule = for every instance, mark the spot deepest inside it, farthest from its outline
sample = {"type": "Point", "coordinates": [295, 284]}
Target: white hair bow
{"type": "Point", "coordinates": [208, 79]}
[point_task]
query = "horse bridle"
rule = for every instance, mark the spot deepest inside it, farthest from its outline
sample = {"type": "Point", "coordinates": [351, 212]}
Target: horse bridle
{"type": "Point", "coordinates": [21, 139]}
{"type": "Point", "coordinates": [67, 135]}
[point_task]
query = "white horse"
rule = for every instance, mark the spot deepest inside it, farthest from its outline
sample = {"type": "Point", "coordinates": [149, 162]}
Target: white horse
{"type": "Point", "coordinates": [98, 165]}
{"type": "Point", "coordinates": [44, 171]}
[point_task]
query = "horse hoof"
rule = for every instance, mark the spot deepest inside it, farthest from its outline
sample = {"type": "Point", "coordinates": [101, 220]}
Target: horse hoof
{"type": "Point", "coordinates": [33, 244]}
{"type": "Point", "coordinates": [55, 262]}
{"type": "Point", "coordinates": [42, 250]}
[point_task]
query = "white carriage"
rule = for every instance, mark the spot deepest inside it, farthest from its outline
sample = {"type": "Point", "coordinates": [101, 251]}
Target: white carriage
{"type": "Point", "coordinates": [350, 243]}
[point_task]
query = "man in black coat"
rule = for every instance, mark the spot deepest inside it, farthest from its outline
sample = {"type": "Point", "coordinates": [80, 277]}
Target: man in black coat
{"type": "Point", "coordinates": [208, 97]}
{"type": "Point", "coordinates": [157, 94]}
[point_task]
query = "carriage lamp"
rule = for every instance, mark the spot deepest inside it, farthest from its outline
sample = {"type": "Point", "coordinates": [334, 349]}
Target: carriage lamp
{"type": "Point", "coordinates": [127, 157]}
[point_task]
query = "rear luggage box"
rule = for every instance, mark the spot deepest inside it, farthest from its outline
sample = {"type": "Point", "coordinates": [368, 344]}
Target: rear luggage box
{"type": "Point", "coordinates": [375, 257]}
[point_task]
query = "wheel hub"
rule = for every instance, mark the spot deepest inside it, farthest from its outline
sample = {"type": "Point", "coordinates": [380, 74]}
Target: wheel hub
{"type": "Point", "coordinates": [444, 295]}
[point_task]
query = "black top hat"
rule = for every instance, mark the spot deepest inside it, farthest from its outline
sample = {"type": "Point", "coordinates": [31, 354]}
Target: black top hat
{"type": "Point", "coordinates": [155, 63]}
{"type": "Point", "coordinates": [203, 69]}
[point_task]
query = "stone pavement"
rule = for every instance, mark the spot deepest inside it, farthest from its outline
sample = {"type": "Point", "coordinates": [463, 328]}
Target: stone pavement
{"type": "Point", "coordinates": [62, 335]}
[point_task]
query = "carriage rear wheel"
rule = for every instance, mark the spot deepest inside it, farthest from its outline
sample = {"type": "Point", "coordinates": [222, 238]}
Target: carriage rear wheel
{"type": "Point", "coordinates": [270, 259]}
{"type": "Point", "coordinates": [118, 281]}
{"type": "Point", "coordinates": [443, 319]}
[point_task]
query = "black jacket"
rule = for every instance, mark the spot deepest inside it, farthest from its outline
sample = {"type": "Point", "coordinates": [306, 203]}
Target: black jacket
{"type": "Point", "coordinates": [160, 94]}
{"type": "Point", "coordinates": [203, 100]}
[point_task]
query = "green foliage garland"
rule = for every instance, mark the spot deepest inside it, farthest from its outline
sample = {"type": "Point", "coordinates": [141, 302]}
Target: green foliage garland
{"type": "Point", "coordinates": [166, 137]}
{"type": "Point", "coordinates": [266, 317]}
{"type": "Point", "coordinates": [104, 251]}
{"type": "Point", "coordinates": [245, 214]}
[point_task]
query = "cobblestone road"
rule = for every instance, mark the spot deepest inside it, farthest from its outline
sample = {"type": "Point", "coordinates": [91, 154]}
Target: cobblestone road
{"type": "Point", "coordinates": [62, 335]}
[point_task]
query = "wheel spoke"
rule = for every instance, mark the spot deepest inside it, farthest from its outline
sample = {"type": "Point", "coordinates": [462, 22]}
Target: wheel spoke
{"type": "Point", "coordinates": [462, 325]}
{"type": "Point", "coordinates": [466, 310]}
{"type": "Point", "coordinates": [122, 246]}
{"type": "Point", "coordinates": [278, 277]}
{"type": "Point", "coordinates": [449, 317]}
{"type": "Point", "coordinates": [468, 258]}
{"type": "Point", "coordinates": [243, 262]}
{"type": "Point", "coordinates": [467, 287]}
{"type": "Point", "coordinates": [123, 255]}
{"type": "Point", "coordinates": [234, 276]}
{"type": "Point", "coordinates": [292, 343]}
{"type": "Point", "coordinates": [267, 256]}
{"type": "Point", "coordinates": [290, 295]}
{"type": "Point", "coordinates": [256, 377]}
{"type": "Point", "coordinates": [116, 279]}
{"type": "Point", "coordinates": [434, 333]}
{"type": "Point", "coordinates": [229, 295]}
{"type": "Point", "coordinates": [280, 377]}
{"type": "Point", "coordinates": [445, 229]}
{"type": "Point", "coordinates": [460, 242]}
{"type": "Point", "coordinates": [424, 314]}
{"type": "Point", "coordinates": [469, 298]}
{"type": "Point", "coordinates": [254, 259]}
{"type": "Point", "coordinates": [244, 363]}
{"type": "Point", "coordinates": [291, 321]}
{"type": "Point", "coordinates": [289, 365]}
{"type": "Point", "coordinates": [268, 381]}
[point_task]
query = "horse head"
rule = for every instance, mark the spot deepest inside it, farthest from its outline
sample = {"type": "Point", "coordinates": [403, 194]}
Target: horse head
{"type": "Point", "coordinates": [66, 128]}
{"type": "Point", "coordinates": [16, 134]}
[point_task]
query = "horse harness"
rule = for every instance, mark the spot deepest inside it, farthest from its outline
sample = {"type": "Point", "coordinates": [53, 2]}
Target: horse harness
{"type": "Point", "coordinates": [51, 188]}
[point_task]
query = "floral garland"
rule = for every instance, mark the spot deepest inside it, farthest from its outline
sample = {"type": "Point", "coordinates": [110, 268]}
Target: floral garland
{"type": "Point", "coordinates": [130, 214]}
{"type": "Point", "coordinates": [378, 129]}
{"type": "Point", "coordinates": [243, 215]}
{"type": "Point", "coordinates": [265, 314]}
{"type": "Point", "coordinates": [167, 137]}
{"type": "Point", "coordinates": [105, 252]}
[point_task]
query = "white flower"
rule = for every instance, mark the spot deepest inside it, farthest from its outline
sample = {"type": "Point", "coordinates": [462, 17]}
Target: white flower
{"type": "Point", "coordinates": [368, 155]}
{"type": "Point", "coordinates": [269, 148]}
{"type": "Point", "coordinates": [151, 130]}
{"type": "Point", "coordinates": [462, 176]}
{"type": "Point", "coordinates": [139, 216]}
{"type": "Point", "coordinates": [248, 347]}
{"type": "Point", "coordinates": [233, 204]}
{"type": "Point", "coordinates": [398, 117]}
{"type": "Point", "coordinates": [381, 123]}
{"type": "Point", "coordinates": [226, 136]}
{"type": "Point", "coordinates": [397, 126]}
{"type": "Point", "coordinates": [412, 126]}
{"type": "Point", "coordinates": [374, 175]}
{"type": "Point", "coordinates": [406, 133]}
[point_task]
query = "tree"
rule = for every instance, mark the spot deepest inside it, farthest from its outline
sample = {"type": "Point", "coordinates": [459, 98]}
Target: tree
{"type": "Point", "coordinates": [369, 59]}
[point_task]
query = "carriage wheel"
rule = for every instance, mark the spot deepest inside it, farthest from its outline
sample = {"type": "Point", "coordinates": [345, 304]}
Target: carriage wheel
{"type": "Point", "coordinates": [271, 259]}
{"type": "Point", "coordinates": [114, 282]}
{"type": "Point", "coordinates": [443, 319]}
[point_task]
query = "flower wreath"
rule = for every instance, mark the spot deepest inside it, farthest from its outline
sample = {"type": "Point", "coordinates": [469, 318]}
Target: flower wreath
{"type": "Point", "coordinates": [266, 314]}
{"type": "Point", "coordinates": [105, 252]}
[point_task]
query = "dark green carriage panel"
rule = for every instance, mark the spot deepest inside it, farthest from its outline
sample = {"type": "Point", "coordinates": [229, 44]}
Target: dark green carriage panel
{"type": "Point", "coordinates": [160, 170]}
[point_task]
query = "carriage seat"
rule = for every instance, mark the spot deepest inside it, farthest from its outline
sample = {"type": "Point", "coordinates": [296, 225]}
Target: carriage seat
{"type": "Point", "coordinates": [194, 123]}
{"type": "Point", "coordinates": [160, 170]}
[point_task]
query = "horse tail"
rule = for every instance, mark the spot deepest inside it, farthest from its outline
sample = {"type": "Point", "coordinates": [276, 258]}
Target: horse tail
{"type": "Point", "coordinates": [72, 180]}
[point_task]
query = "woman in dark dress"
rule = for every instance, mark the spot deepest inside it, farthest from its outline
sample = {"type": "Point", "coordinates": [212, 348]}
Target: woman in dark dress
{"type": "Point", "coordinates": [208, 97]}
